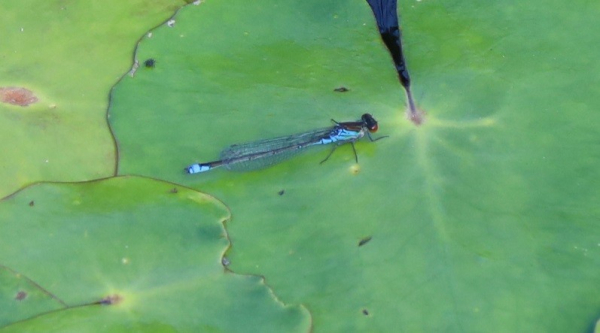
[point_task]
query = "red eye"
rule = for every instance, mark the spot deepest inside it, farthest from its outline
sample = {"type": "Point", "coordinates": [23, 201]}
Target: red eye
{"type": "Point", "coordinates": [373, 128]}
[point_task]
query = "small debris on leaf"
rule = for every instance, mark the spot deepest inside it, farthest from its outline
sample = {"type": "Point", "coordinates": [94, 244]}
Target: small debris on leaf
{"type": "Point", "coordinates": [355, 169]}
{"type": "Point", "coordinates": [171, 23]}
{"type": "Point", "coordinates": [17, 96]}
{"type": "Point", "coordinates": [341, 89]}
{"type": "Point", "coordinates": [282, 192]}
{"type": "Point", "coordinates": [150, 63]}
{"type": "Point", "coordinates": [364, 241]}
{"type": "Point", "coordinates": [31, 203]}
{"type": "Point", "coordinates": [21, 295]}
{"type": "Point", "coordinates": [365, 312]}
{"type": "Point", "coordinates": [174, 190]}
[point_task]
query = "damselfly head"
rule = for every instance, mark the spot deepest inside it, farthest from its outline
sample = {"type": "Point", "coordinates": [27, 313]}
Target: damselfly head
{"type": "Point", "coordinates": [370, 123]}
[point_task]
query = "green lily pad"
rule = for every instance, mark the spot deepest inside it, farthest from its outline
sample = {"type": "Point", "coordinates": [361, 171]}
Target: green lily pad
{"type": "Point", "coordinates": [67, 55]}
{"type": "Point", "coordinates": [126, 254]}
{"type": "Point", "coordinates": [484, 216]}
{"type": "Point", "coordinates": [22, 298]}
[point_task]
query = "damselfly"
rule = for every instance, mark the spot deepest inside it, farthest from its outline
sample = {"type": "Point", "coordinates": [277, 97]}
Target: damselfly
{"type": "Point", "coordinates": [264, 153]}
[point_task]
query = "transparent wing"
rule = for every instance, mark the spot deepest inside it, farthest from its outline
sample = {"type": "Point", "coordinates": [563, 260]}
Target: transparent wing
{"type": "Point", "coordinates": [263, 153]}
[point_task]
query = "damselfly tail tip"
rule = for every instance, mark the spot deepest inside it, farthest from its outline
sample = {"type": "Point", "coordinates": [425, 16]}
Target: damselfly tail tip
{"type": "Point", "coordinates": [192, 169]}
{"type": "Point", "coordinates": [197, 168]}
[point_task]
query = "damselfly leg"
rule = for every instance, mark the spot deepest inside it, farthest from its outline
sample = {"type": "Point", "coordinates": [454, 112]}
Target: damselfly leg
{"type": "Point", "coordinates": [328, 155]}
{"type": "Point", "coordinates": [333, 149]}
{"type": "Point", "coordinates": [379, 138]}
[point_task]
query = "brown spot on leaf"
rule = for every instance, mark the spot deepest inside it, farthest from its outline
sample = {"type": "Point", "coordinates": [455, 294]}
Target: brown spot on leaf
{"type": "Point", "coordinates": [21, 295]}
{"type": "Point", "coordinates": [17, 96]}
{"type": "Point", "coordinates": [111, 300]}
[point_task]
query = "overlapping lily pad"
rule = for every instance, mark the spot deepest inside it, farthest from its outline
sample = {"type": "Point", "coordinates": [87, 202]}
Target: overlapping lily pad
{"type": "Point", "coordinates": [60, 58]}
{"type": "Point", "coordinates": [126, 254]}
